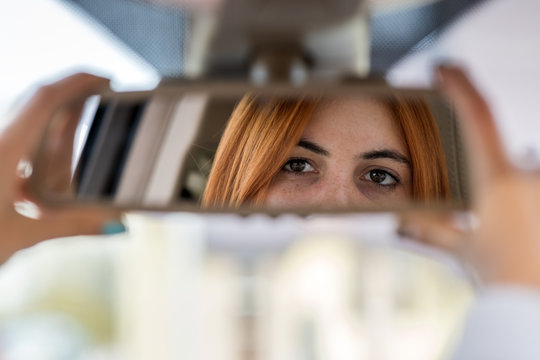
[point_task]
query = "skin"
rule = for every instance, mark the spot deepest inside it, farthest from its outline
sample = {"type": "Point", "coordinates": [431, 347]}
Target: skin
{"type": "Point", "coordinates": [351, 154]}
{"type": "Point", "coordinates": [18, 141]}
{"type": "Point", "coordinates": [503, 244]}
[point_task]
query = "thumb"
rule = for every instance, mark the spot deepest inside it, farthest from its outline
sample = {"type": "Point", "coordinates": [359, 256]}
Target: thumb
{"type": "Point", "coordinates": [20, 232]}
{"type": "Point", "coordinates": [54, 223]}
{"type": "Point", "coordinates": [445, 231]}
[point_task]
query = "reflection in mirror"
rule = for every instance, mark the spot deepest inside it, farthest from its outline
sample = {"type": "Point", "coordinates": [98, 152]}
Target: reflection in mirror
{"type": "Point", "coordinates": [256, 150]}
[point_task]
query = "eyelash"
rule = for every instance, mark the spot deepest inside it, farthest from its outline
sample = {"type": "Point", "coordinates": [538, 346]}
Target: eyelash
{"type": "Point", "coordinates": [295, 172]}
{"type": "Point", "coordinates": [396, 179]}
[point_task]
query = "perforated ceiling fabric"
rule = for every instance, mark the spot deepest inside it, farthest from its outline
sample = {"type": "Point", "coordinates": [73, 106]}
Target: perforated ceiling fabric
{"type": "Point", "coordinates": [398, 33]}
{"type": "Point", "coordinates": [158, 34]}
{"type": "Point", "coordinates": [155, 33]}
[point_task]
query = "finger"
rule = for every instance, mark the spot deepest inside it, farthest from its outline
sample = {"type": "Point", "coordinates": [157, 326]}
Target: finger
{"type": "Point", "coordinates": [488, 159]}
{"type": "Point", "coordinates": [56, 153]}
{"type": "Point", "coordinates": [20, 232]}
{"type": "Point", "coordinates": [439, 230]}
{"type": "Point", "coordinates": [192, 5]}
{"type": "Point", "coordinates": [18, 138]}
{"type": "Point", "coordinates": [68, 222]}
{"type": "Point", "coordinates": [71, 88]}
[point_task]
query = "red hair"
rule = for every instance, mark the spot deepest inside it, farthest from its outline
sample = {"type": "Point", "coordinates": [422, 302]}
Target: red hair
{"type": "Point", "coordinates": [262, 133]}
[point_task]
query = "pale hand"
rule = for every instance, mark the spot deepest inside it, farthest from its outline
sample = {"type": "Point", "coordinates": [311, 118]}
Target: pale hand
{"type": "Point", "coordinates": [503, 246]}
{"type": "Point", "coordinates": [17, 142]}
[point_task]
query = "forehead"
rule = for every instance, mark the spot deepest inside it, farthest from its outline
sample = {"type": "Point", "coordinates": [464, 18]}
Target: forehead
{"type": "Point", "coordinates": [356, 122]}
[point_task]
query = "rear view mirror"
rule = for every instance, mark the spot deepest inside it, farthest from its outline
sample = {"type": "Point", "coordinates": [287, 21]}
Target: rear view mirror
{"type": "Point", "coordinates": [234, 146]}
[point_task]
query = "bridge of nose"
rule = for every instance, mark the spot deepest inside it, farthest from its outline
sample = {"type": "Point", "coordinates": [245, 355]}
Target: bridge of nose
{"type": "Point", "coordinates": [340, 191]}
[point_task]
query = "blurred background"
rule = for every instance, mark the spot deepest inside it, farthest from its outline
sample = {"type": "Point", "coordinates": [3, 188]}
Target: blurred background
{"type": "Point", "coordinates": [120, 297]}
{"type": "Point", "coordinates": [174, 289]}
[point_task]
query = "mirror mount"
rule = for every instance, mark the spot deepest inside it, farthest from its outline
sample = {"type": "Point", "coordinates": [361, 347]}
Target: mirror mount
{"type": "Point", "coordinates": [264, 41]}
{"type": "Point", "coordinates": [279, 64]}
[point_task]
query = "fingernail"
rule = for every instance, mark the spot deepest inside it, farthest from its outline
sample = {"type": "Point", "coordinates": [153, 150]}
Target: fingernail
{"type": "Point", "coordinates": [113, 227]}
{"type": "Point", "coordinates": [407, 231]}
{"type": "Point", "coordinates": [441, 66]}
{"type": "Point", "coordinates": [439, 76]}
{"type": "Point", "coordinates": [445, 62]}
{"type": "Point", "coordinates": [402, 232]}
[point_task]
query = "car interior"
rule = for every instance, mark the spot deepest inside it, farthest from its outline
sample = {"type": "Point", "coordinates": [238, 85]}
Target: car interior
{"type": "Point", "coordinates": [222, 282]}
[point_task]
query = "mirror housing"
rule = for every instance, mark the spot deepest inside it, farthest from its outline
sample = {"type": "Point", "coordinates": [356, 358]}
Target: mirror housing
{"type": "Point", "coordinates": [154, 149]}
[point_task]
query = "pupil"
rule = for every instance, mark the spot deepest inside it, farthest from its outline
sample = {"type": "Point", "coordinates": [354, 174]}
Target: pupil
{"type": "Point", "coordinates": [377, 176]}
{"type": "Point", "coordinates": [297, 166]}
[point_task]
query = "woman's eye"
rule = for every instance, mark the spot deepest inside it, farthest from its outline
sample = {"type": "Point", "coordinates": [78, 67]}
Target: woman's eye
{"type": "Point", "coordinates": [381, 177]}
{"type": "Point", "coordinates": [298, 166]}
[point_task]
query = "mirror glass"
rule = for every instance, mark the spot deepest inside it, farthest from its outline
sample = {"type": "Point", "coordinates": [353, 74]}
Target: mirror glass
{"type": "Point", "coordinates": [321, 148]}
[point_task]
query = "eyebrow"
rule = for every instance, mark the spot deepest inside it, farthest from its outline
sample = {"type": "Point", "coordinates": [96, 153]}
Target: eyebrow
{"type": "Point", "coordinates": [385, 154]}
{"type": "Point", "coordinates": [308, 145]}
{"type": "Point", "coordinates": [370, 155]}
